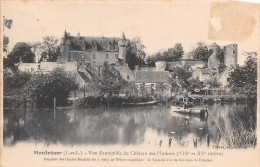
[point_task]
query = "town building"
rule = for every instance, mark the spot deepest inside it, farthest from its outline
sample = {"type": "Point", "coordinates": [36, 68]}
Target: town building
{"type": "Point", "coordinates": [151, 80]}
{"type": "Point", "coordinates": [204, 74]}
{"type": "Point", "coordinates": [46, 67]}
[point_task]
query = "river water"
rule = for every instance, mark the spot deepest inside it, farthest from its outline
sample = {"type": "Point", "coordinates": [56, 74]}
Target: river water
{"type": "Point", "coordinates": [150, 125]}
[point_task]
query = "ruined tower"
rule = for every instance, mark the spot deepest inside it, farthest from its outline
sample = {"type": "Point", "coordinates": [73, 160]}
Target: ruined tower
{"type": "Point", "coordinates": [230, 55]}
{"type": "Point", "coordinates": [213, 60]}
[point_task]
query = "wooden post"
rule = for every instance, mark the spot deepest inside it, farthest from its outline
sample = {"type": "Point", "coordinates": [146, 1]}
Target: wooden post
{"type": "Point", "coordinates": [195, 142]}
{"type": "Point", "coordinates": [84, 91]}
{"type": "Point", "coordinates": [54, 103]}
{"type": "Point", "coordinates": [54, 108]}
{"type": "Point", "coordinates": [207, 140]}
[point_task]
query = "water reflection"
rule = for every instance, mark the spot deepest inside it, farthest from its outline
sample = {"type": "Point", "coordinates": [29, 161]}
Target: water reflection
{"type": "Point", "coordinates": [153, 125]}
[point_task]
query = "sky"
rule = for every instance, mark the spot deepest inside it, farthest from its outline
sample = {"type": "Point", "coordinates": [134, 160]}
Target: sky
{"type": "Point", "coordinates": [159, 24]}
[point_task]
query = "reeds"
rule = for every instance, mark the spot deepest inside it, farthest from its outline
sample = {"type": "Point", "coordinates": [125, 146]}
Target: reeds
{"type": "Point", "coordinates": [241, 135]}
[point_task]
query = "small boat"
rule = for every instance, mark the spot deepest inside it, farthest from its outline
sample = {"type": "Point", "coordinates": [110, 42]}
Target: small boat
{"type": "Point", "coordinates": [193, 111]}
{"type": "Point", "coordinates": [140, 104]}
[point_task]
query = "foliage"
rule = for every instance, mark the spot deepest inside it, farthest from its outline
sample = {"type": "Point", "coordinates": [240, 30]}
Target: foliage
{"type": "Point", "coordinates": [135, 53]}
{"type": "Point", "coordinates": [194, 83]}
{"type": "Point", "coordinates": [160, 88]}
{"type": "Point", "coordinates": [173, 54]}
{"type": "Point", "coordinates": [43, 88]}
{"type": "Point", "coordinates": [213, 83]}
{"type": "Point", "coordinates": [182, 73]}
{"type": "Point", "coordinates": [22, 51]}
{"type": "Point", "coordinates": [179, 78]}
{"type": "Point", "coordinates": [200, 52]}
{"type": "Point", "coordinates": [109, 81]}
{"type": "Point", "coordinates": [130, 89]}
{"type": "Point", "coordinates": [13, 81]}
{"type": "Point", "coordinates": [8, 24]}
{"type": "Point", "coordinates": [243, 79]}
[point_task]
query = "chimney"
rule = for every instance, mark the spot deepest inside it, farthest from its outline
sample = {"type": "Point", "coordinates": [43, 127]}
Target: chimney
{"type": "Point", "coordinates": [78, 35]}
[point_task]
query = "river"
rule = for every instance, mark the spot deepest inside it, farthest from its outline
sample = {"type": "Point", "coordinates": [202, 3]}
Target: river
{"type": "Point", "coordinates": [150, 125]}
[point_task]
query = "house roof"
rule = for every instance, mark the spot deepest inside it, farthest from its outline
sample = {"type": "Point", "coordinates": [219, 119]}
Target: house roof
{"type": "Point", "coordinates": [152, 76]}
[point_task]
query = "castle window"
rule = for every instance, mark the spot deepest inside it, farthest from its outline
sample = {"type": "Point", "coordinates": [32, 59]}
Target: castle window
{"type": "Point", "coordinates": [94, 55]}
{"type": "Point", "coordinates": [234, 45]}
{"type": "Point", "coordinates": [38, 67]}
{"type": "Point", "coordinates": [233, 51]}
{"type": "Point", "coordinates": [107, 56]}
{"type": "Point", "coordinates": [116, 56]}
{"type": "Point", "coordinates": [94, 63]}
{"type": "Point", "coordinates": [127, 77]}
{"type": "Point", "coordinates": [32, 69]}
{"type": "Point", "coordinates": [228, 79]}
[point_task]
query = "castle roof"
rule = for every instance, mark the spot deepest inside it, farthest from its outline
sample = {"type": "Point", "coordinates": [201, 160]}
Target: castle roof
{"type": "Point", "coordinates": [87, 42]}
{"type": "Point", "coordinates": [152, 76]}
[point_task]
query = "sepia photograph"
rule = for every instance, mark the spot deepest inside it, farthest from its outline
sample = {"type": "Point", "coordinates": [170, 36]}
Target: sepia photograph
{"type": "Point", "coordinates": [126, 77]}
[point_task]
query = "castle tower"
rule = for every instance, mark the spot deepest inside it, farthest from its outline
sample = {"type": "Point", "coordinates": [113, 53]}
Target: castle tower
{"type": "Point", "coordinates": [230, 55]}
{"type": "Point", "coordinates": [122, 47]}
{"type": "Point", "coordinates": [65, 47]}
{"type": "Point", "coordinates": [213, 60]}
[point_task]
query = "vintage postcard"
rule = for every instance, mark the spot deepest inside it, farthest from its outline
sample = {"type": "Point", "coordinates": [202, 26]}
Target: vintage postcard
{"type": "Point", "coordinates": [129, 83]}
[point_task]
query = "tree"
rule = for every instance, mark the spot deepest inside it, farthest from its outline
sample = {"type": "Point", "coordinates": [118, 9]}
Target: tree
{"type": "Point", "coordinates": [194, 83]}
{"type": "Point", "coordinates": [175, 53]}
{"type": "Point", "coordinates": [13, 81]}
{"type": "Point", "coordinates": [244, 78]}
{"type": "Point", "coordinates": [130, 89]}
{"type": "Point", "coordinates": [135, 53]}
{"type": "Point", "coordinates": [200, 52]}
{"type": "Point", "coordinates": [108, 82]}
{"type": "Point", "coordinates": [8, 24]}
{"type": "Point", "coordinates": [179, 78]}
{"type": "Point", "coordinates": [160, 88]}
{"type": "Point", "coordinates": [22, 51]}
{"type": "Point", "coordinates": [49, 49]}
{"type": "Point", "coordinates": [43, 88]}
{"type": "Point", "coordinates": [213, 83]}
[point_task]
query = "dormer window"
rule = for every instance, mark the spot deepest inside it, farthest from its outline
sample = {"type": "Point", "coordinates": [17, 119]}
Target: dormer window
{"type": "Point", "coordinates": [94, 47]}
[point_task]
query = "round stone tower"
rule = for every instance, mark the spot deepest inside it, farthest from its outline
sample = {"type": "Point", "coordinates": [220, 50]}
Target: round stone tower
{"type": "Point", "coordinates": [160, 65]}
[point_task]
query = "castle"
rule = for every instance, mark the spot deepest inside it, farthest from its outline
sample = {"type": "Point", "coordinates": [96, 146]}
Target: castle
{"type": "Point", "coordinates": [94, 51]}
{"type": "Point", "coordinates": [221, 61]}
